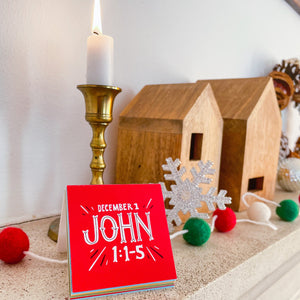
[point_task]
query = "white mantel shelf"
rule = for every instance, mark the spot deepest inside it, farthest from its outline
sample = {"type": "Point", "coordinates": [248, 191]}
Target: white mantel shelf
{"type": "Point", "coordinates": [250, 262]}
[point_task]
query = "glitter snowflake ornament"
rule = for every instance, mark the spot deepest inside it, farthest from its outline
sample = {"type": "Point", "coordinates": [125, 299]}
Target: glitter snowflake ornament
{"type": "Point", "coordinates": [186, 195]}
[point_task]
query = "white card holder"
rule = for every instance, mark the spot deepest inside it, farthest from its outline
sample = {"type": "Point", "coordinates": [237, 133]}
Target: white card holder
{"type": "Point", "coordinates": [62, 244]}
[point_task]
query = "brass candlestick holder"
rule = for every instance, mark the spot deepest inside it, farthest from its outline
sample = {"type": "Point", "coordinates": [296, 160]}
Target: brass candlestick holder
{"type": "Point", "coordinates": [99, 101]}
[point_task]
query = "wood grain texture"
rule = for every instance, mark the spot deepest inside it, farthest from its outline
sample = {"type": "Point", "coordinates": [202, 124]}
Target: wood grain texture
{"type": "Point", "coordinates": [142, 153]}
{"type": "Point", "coordinates": [251, 135]}
{"type": "Point", "coordinates": [161, 119]}
{"type": "Point", "coordinates": [164, 101]}
{"type": "Point", "coordinates": [262, 144]}
{"type": "Point", "coordinates": [159, 123]}
{"type": "Point", "coordinates": [232, 159]}
{"type": "Point", "coordinates": [237, 97]}
{"type": "Point", "coordinates": [205, 118]}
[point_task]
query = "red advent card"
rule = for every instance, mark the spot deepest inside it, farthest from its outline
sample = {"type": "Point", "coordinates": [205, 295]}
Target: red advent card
{"type": "Point", "coordinates": [118, 239]}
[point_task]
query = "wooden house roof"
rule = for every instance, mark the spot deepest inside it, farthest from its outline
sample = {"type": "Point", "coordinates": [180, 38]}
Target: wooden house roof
{"type": "Point", "coordinates": [238, 97]}
{"type": "Point", "coordinates": [165, 101]}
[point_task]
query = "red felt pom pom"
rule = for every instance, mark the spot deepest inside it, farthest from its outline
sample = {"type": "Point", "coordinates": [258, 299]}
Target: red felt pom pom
{"type": "Point", "coordinates": [13, 242]}
{"type": "Point", "coordinates": [226, 219]}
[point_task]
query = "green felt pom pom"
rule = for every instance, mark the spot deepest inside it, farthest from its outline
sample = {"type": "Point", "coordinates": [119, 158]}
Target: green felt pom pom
{"type": "Point", "coordinates": [288, 210]}
{"type": "Point", "coordinates": [199, 231]}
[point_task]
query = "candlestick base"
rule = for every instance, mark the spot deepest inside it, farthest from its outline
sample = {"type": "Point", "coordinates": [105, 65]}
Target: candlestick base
{"type": "Point", "coordinates": [53, 230]}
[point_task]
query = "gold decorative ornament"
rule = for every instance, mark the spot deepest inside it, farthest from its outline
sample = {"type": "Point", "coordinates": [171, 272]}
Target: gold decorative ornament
{"type": "Point", "coordinates": [291, 67]}
{"type": "Point", "coordinates": [284, 88]}
{"type": "Point", "coordinates": [99, 101]}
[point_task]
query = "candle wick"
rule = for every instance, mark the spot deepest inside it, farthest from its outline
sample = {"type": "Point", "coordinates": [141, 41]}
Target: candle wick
{"type": "Point", "coordinates": [95, 32]}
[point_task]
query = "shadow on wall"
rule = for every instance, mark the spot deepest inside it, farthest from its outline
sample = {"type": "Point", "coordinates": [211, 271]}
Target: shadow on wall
{"type": "Point", "coordinates": [111, 133]}
{"type": "Point", "coordinates": [16, 111]}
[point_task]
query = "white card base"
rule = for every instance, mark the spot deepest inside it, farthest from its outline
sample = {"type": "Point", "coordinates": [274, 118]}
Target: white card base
{"type": "Point", "coordinates": [62, 244]}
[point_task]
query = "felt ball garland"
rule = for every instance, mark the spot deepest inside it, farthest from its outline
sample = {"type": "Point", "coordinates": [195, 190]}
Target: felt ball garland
{"type": "Point", "coordinates": [259, 212]}
{"type": "Point", "coordinates": [13, 243]}
{"type": "Point", "coordinates": [288, 210]}
{"type": "Point", "coordinates": [198, 231]}
{"type": "Point", "coordinates": [226, 219]}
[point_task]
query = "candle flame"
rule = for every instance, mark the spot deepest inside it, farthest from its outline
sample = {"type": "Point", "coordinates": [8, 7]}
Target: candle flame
{"type": "Point", "coordinates": [97, 24]}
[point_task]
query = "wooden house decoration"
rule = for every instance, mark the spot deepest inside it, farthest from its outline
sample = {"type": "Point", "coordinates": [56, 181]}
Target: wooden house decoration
{"type": "Point", "coordinates": [169, 120]}
{"type": "Point", "coordinates": [251, 137]}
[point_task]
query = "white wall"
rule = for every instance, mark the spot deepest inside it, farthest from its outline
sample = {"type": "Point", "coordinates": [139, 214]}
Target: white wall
{"type": "Point", "coordinates": [44, 139]}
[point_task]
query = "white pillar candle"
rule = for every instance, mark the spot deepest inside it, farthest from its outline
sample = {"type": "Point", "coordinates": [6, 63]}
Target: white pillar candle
{"type": "Point", "coordinates": [99, 53]}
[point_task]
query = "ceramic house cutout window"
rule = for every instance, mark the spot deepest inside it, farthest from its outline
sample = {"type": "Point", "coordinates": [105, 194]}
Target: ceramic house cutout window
{"type": "Point", "coordinates": [255, 184]}
{"type": "Point", "coordinates": [196, 146]}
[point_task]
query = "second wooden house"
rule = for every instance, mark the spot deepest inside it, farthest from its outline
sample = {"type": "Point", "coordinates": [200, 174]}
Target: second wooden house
{"type": "Point", "coordinates": [251, 137]}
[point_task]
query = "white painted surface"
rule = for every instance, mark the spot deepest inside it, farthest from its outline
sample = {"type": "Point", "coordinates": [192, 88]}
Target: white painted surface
{"type": "Point", "coordinates": [44, 139]}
